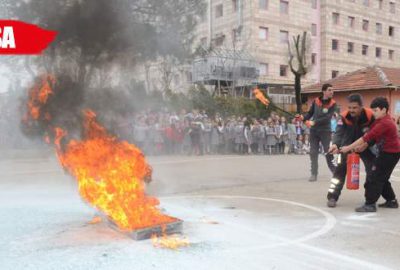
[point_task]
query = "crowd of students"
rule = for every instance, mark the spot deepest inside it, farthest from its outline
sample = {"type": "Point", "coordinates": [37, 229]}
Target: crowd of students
{"type": "Point", "coordinates": [196, 133]}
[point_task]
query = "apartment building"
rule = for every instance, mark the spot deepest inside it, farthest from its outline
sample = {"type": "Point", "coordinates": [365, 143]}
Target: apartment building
{"type": "Point", "coordinates": [344, 35]}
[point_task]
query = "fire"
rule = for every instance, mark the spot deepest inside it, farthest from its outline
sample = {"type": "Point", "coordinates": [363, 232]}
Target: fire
{"type": "Point", "coordinates": [172, 242]}
{"type": "Point", "coordinates": [39, 95]}
{"type": "Point", "coordinates": [110, 176]}
{"type": "Point", "coordinates": [110, 173]}
{"type": "Point", "coordinates": [95, 220]}
{"type": "Point", "coordinates": [260, 96]}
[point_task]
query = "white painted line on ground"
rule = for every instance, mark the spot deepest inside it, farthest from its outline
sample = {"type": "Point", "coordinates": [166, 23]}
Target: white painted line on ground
{"type": "Point", "coordinates": [368, 217]}
{"type": "Point", "coordinates": [356, 225]}
{"type": "Point", "coordinates": [329, 225]}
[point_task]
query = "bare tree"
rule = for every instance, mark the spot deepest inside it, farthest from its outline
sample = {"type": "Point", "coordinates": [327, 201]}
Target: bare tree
{"type": "Point", "coordinates": [298, 53]}
{"type": "Point", "coordinates": [167, 70]}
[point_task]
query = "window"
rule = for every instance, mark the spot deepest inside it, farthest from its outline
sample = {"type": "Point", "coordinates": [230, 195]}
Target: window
{"type": "Point", "coordinates": [263, 33]}
{"type": "Point", "coordinates": [313, 58]}
{"type": "Point", "coordinates": [350, 47]}
{"type": "Point", "coordinates": [379, 28]}
{"type": "Point", "coordinates": [335, 45]}
{"type": "Point", "coordinates": [234, 5]}
{"type": "Point", "coordinates": [366, 3]}
{"type": "Point", "coordinates": [380, 4]}
{"type": "Point", "coordinates": [392, 7]}
{"type": "Point", "coordinates": [365, 24]}
{"type": "Point", "coordinates": [335, 73]}
{"type": "Point", "coordinates": [283, 70]}
{"type": "Point", "coordinates": [284, 36]}
{"type": "Point", "coordinates": [219, 11]}
{"type": "Point", "coordinates": [314, 4]}
{"type": "Point", "coordinates": [351, 21]}
{"type": "Point", "coordinates": [313, 29]}
{"type": "Point", "coordinates": [391, 31]}
{"type": "Point", "coordinates": [378, 52]}
{"type": "Point", "coordinates": [284, 7]}
{"type": "Point", "coordinates": [364, 50]}
{"type": "Point", "coordinates": [263, 4]}
{"type": "Point", "coordinates": [335, 18]}
{"type": "Point", "coordinates": [391, 54]}
{"type": "Point", "coordinates": [263, 69]}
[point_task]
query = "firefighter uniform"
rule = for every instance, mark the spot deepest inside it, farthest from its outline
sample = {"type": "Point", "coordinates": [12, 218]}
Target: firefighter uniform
{"type": "Point", "coordinates": [348, 130]}
{"type": "Point", "coordinates": [321, 112]}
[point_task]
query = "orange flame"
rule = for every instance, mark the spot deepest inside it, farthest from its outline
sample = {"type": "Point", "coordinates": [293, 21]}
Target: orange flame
{"type": "Point", "coordinates": [260, 96]}
{"type": "Point", "coordinates": [38, 96]}
{"type": "Point", "coordinates": [110, 176]}
{"type": "Point", "coordinates": [109, 172]}
{"type": "Point", "coordinates": [172, 242]}
{"type": "Point", "coordinates": [95, 220]}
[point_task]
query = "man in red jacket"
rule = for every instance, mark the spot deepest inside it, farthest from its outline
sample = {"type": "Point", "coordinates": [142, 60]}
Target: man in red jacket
{"type": "Point", "coordinates": [384, 132]}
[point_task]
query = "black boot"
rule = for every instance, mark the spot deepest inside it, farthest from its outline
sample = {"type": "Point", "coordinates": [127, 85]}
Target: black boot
{"type": "Point", "coordinates": [366, 208]}
{"type": "Point", "coordinates": [331, 203]}
{"type": "Point", "coordinates": [389, 204]}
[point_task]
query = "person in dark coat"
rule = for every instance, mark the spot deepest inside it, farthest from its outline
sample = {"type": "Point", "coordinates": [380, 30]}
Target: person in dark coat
{"type": "Point", "coordinates": [351, 125]}
{"type": "Point", "coordinates": [319, 118]}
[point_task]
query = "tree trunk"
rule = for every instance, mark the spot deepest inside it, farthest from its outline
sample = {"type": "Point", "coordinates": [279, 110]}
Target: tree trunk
{"type": "Point", "coordinates": [297, 89]}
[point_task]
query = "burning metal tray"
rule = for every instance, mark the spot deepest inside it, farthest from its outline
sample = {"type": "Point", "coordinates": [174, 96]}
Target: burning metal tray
{"type": "Point", "coordinates": [159, 230]}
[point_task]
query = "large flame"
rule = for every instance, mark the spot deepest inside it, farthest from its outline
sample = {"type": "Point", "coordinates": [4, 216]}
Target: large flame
{"type": "Point", "coordinates": [109, 172]}
{"type": "Point", "coordinates": [110, 175]}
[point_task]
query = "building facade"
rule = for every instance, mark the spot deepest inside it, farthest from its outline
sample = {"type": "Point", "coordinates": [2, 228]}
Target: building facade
{"type": "Point", "coordinates": [344, 35]}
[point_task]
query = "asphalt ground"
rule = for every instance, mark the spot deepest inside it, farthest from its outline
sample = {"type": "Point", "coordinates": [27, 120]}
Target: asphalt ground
{"type": "Point", "coordinates": [239, 212]}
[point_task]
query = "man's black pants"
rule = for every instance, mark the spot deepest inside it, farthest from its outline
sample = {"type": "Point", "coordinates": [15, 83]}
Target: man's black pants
{"type": "Point", "coordinates": [317, 136]}
{"type": "Point", "coordinates": [339, 176]}
{"type": "Point", "coordinates": [379, 182]}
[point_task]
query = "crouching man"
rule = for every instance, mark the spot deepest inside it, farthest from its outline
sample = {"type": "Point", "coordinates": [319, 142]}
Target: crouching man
{"type": "Point", "coordinates": [384, 132]}
{"type": "Point", "coordinates": [352, 125]}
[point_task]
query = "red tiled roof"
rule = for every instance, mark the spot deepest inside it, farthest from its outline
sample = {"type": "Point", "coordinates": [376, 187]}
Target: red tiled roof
{"type": "Point", "coordinates": [362, 79]}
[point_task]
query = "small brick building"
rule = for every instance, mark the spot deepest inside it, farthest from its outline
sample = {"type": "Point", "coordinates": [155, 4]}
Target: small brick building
{"type": "Point", "coordinates": [369, 82]}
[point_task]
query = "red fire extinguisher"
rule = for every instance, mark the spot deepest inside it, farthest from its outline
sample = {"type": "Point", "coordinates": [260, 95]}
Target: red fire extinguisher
{"type": "Point", "coordinates": [353, 171]}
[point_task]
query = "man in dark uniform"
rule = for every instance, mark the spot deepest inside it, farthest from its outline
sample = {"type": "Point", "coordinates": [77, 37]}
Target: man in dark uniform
{"type": "Point", "coordinates": [384, 132]}
{"type": "Point", "coordinates": [352, 125]}
{"type": "Point", "coordinates": [319, 116]}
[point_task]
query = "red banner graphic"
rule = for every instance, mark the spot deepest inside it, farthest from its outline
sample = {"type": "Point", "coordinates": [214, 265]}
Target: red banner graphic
{"type": "Point", "coordinates": [18, 37]}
